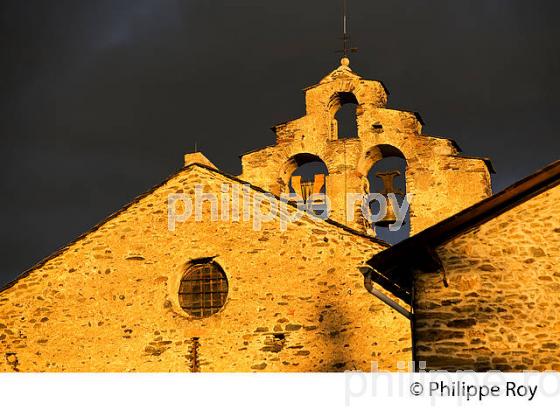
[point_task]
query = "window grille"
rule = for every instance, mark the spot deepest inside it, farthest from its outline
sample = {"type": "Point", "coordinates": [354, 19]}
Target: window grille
{"type": "Point", "coordinates": [203, 290]}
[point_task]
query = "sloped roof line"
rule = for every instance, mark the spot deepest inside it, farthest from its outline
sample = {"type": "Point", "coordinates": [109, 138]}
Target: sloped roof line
{"type": "Point", "coordinates": [417, 252]}
{"type": "Point", "coordinates": [264, 191]}
{"type": "Point", "coordinates": [58, 252]}
{"type": "Point", "coordinates": [137, 199]}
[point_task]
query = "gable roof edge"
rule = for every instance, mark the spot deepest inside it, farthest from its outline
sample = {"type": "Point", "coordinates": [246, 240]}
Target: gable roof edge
{"type": "Point", "coordinates": [138, 198]}
{"type": "Point", "coordinates": [419, 249]}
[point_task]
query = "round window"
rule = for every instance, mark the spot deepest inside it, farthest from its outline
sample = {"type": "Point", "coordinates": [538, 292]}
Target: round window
{"type": "Point", "coordinates": [203, 290]}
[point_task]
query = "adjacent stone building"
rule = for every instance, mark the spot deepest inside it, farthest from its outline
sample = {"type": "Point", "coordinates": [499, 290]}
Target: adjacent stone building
{"type": "Point", "coordinates": [225, 284]}
{"type": "Point", "coordinates": [485, 283]}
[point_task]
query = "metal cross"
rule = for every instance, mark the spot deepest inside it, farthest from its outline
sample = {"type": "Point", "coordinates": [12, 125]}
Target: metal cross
{"type": "Point", "coordinates": [346, 40]}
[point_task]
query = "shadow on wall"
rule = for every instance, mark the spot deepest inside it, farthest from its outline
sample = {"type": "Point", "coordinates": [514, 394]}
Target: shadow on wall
{"type": "Point", "coordinates": [445, 322]}
{"type": "Point", "coordinates": [335, 340]}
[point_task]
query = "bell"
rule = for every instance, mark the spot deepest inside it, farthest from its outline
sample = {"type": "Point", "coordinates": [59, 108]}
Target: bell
{"type": "Point", "coordinates": [390, 217]}
{"type": "Point", "coordinates": [318, 184]}
{"type": "Point", "coordinates": [388, 180]}
{"type": "Point", "coordinates": [307, 188]}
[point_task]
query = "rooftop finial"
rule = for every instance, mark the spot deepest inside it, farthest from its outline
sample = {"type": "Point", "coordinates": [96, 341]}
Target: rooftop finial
{"type": "Point", "coordinates": [346, 40]}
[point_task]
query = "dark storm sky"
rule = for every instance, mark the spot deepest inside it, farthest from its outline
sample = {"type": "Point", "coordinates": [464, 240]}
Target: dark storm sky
{"type": "Point", "coordinates": [101, 99]}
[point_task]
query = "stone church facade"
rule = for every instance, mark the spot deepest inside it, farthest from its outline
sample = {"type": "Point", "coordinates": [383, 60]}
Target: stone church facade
{"type": "Point", "coordinates": [443, 181]}
{"type": "Point", "coordinates": [475, 286]}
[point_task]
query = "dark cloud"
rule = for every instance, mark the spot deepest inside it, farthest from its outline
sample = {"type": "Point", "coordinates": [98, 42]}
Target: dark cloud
{"type": "Point", "coordinates": [100, 99]}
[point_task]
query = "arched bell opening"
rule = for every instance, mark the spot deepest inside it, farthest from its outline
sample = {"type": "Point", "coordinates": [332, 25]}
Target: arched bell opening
{"type": "Point", "coordinates": [343, 108]}
{"type": "Point", "coordinates": [387, 177]}
{"type": "Point", "coordinates": [306, 176]}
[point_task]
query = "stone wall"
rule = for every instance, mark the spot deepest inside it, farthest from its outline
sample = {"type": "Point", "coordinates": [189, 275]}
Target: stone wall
{"type": "Point", "coordinates": [108, 302]}
{"type": "Point", "coordinates": [443, 182]}
{"type": "Point", "coordinates": [501, 309]}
